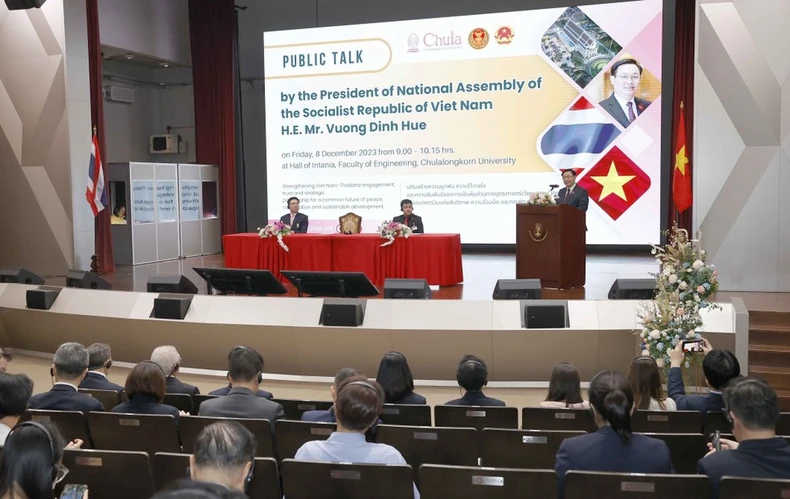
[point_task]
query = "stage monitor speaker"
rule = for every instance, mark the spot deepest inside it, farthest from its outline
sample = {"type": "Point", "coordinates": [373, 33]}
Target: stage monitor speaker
{"type": "Point", "coordinates": [85, 280]}
{"type": "Point", "coordinates": [545, 314]}
{"type": "Point", "coordinates": [343, 312]}
{"type": "Point", "coordinates": [24, 4]}
{"type": "Point", "coordinates": [633, 289]}
{"type": "Point", "coordinates": [407, 289]}
{"type": "Point", "coordinates": [517, 289]}
{"type": "Point", "coordinates": [19, 276]}
{"type": "Point", "coordinates": [171, 306]}
{"type": "Point", "coordinates": [170, 283]}
{"type": "Point", "coordinates": [41, 298]}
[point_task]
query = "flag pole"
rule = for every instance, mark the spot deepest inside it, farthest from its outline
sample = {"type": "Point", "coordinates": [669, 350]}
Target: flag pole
{"type": "Point", "coordinates": [95, 257]}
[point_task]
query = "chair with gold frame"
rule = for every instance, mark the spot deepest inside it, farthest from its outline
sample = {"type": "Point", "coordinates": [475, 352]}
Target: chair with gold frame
{"type": "Point", "coordinates": [350, 223]}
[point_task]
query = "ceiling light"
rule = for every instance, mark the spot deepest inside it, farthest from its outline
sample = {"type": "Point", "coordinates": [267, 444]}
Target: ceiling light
{"type": "Point", "coordinates": [129, 57]}
{"type": "Point", "coordinates": [164, 64]}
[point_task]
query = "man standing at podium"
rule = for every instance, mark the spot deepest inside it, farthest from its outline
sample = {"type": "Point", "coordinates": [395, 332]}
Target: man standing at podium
{"type": "Point", "coordinates": [572, 194]}
{"type": "Point", "coordinates": [297, 221]}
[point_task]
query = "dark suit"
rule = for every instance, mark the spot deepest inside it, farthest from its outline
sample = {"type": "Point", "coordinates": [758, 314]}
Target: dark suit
{"type": "Point", "coordinates": [65, 398]}
{"type": "Point", "coordinates": [95, 381]}
{"type": "Point", "coordinates": [410, 399]}
{"type": "Point", "coordinates": [476, 398]}
{"type": "Point", "coordinates": [320, 416]}
{"type": "Point", "coordinates": [578, 198]}
{"type": "Point", "coordinates": [242, 403]}
{"type": "Point", "coordinates": [767, 458]}
{"type": "Point", "coordinates": [612, 106]}
{"type": "Point", "coordinates": [702, 403]}
{"type": "Point", "coordinates": [604, 451]}
{"type": "Point", "coordinates": [300, 222]}
{"type": "Point", "coordinates": [414, 222]}
{"type": "Point", "coordinates": [224, 391]}
{"type": "Point", "coordinates": [145, 404]}
{"type": "Point", "coordinates": [174, 385]}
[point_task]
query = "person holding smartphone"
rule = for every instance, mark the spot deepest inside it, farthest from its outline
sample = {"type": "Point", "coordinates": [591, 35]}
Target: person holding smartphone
{"type": "Point", "coordinates": [718, 366]}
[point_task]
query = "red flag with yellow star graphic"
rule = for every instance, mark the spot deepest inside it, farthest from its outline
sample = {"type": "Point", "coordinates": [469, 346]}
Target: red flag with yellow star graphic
{"type": "Point", "coordinates": [681, 173]}
{"type": "Point", "coordinates": [615, 183]}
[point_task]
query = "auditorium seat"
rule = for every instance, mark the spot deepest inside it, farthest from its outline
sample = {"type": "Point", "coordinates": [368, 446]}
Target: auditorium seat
{"type": "Point", "coordinates": [713, 421]}
{"type": "Point", "coordinates": [190, 426]}
{"type": "Point", "coordinates": [685, 449]}
{"type": "Point", "coordinates": [549, 418]}
{"type": "Point", "coordinates": [531, 449]}
{"type": "Point", "coordinates": [405, 414]}
{"type": "Point", "coordinates": [108, 398]}
{"type": "Point", "coordinates": [757, 488]}
{"type": "Point", "coordinates": [598, 485]}
{"type": "Point", "coordinates": [181, 401]}
{"type": "Point", "coordinates": [291, 435]}
{"type": "Point", "coordinates": [199, 399]}
{"type": "Point", "coordinates": [107, 473]}
{"type": "Point", "coordinates": [149, 433]}
{"type": "Point", "coordinates": [460, 416]}
{"type": "Point", "coordinates": [295, 408]}
{"type": "Point", "coordinates": [783, 426]}
{"type": "Point", "coordinates": [265, 483]}
{"type": "Point", "coordinates": [666, 422]}
{"type": "Point", "coordinates": [319, 480]}
{"type": "Point", "coordinates": [462, 482]}
{"type": "Point", "coordinates": [420, 444]}
{"type": "Point", "coordinates": [72, 424]}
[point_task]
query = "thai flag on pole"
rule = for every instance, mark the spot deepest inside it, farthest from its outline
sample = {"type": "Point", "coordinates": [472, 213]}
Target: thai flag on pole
{"type": "Point", "coordinates": [95, 193]}
{"type": "Point", "coordinates": [577, 136]}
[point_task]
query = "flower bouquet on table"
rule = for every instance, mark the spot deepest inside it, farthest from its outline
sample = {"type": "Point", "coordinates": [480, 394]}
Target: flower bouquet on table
{"type": "Point", "coordinates": [390, 230]}
{"type": "Point", "coordinates": [277, 229]}
{"type": "Point", "coordinates": [541, 199]}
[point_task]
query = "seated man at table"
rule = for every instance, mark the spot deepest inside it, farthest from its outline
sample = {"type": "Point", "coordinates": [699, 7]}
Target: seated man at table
{"type": "Point", "coordinates": [297, 221]}
{"type": "Point", "coordinates": [409, 218]}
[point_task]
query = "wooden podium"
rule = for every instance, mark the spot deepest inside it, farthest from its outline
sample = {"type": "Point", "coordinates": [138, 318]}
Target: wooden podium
{"type": "Point", "coordinates": [550, 245]}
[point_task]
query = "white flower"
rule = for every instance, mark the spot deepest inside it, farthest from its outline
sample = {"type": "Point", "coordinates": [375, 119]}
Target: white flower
{"type": "Point", "coordinates": [673, 278]}
{"type": "Point", "coordinates": [683, 285]}
{"type": "Point", "coordinates": [643, 334]}
{"type": "Point", "coordinates": [702, 253]}
{"type": "Point", "coordinates": [655, 334]}
{"type": "Point", "coordinates": [646, 353]}
{"type": "Point", "coordinates": [664, 334]}
{"type": "Point", "coordinates": [660, 362]}
{"type": "Point", "coordinates": [691, 334]}
{"type": "Point", "coordinates": [689, 271]}
{"type": "Point", "coordinates": [697, 264]}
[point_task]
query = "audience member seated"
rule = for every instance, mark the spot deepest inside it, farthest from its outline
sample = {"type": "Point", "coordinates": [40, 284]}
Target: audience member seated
{"type": "Point", "coordinates": [613, 447]}
{"type": "Point", "coordinates": [30, 464]}
{"type": "Point", "coordinates": [5, 358]}
{"type": "Point", "coordinates": [99, 363]}
{"type": "Point", "coordinates": [645, 380]}
{"type": "Point", "coordinates": [224, 390]}
{"type": "Point", "coordinates": [396, 380]}
{"type": "Point", "coordinates": [68, 369]}
{"type": "Point", "coordinates": [718, 366]}
{"type": "Point", "coordinates": [753, 410]}
{"type": "Point", "coordinates": [329, 415]}
{"type": "Point", "coordinates": [15, 392]}
{"type": "Point", "coordinates": [169, 360]}
{"type": "Point", "coordinates": [145, 387]}
{"type": "Point", "coordinates": [188, 489]}
{"type": "Point", "coordinates": [245, 371]}
{"type": "Point", "coordinates": [358, 403]}
{"type": "Point", "coordinates": [224, 455]}
{"type": "Point", "coordinates": [472, 376]}
{"type": "Point", "coordinates": [565, 388]}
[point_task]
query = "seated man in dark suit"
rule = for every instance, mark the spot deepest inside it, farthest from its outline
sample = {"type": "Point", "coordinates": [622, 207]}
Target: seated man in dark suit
{"type": "Point", "coordinates": [409, 218]}
{"type": "Point", "coordinates": [753, 410]}
{"type": "Point", "coordinates": [472, 376]}
{"type": "Point", "coordinates": [169, 360]}
{"type": "Point", "coordinates": [572, 194]}
{"type": "Point", "coordinates": [69, 367]}
{"type": "Point", "coordinates": [246, 374]}
{"type": "Point", "coordinates": [99, 363]}
{"type": "Point", "coordinates": [623, 105]}
{"type": "Point", "coordinates": [719, 367]}
{"type": "Point", "coordinates": [329, 416]}
{"type": "Point", "coordinates": [224, 390]}
{"type": "Point", "coordinates": [297, 221]}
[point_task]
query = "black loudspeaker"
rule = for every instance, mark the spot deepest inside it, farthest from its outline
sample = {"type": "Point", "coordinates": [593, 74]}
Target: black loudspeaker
{"type": "Point", "coordinates": [344, 312]}
{"type": "Point", "coordinates": [167, 283]}
{"type": "Point", "coordinates": [85, 280]}
{"type": "Point", "coordinates": [19, 276]}
{"type": "Point", "coordinates": [517, 289]}
{"type": "Point", "coordinates": [41, 298]}
{"type": "Point", "coordinates": [633, 289]}
{"type": "Point", "coordinates": [407, 288]}
{"type": "Point", "coordinates": [546, 315]}
{"type": "Point", "coordinates": [175, 306]}
{"type": "Point", "coordinates": [24, 4]}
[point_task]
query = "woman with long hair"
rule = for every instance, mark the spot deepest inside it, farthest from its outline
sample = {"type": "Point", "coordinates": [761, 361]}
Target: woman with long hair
{"type": "Point", "coordinates": [565, 389]}
{"type": "Point", "coordinates": [395, 378]}
{"type": "Point", "coordinates": [30, 465]}
{"type": "Point", "coordinates": [145, 387]}
{"type": "Point", "coordinates": [645, 380]}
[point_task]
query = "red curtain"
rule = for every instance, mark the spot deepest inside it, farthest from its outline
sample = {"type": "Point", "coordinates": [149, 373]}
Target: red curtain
{"type": "Point", "coordinates": [685, 19]}
{"type": "Point", "coordinates": [212, 30]}
{"type": "Point", "coordinates": [103, 235]}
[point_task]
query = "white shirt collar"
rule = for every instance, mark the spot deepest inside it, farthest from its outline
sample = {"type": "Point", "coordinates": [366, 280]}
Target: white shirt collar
{"type": "Point", "coordinates": [97, 372]}
{"type": "Point", "coordinates": [624, 104]}
{"type": "Point", "coordinates": [67, 384]}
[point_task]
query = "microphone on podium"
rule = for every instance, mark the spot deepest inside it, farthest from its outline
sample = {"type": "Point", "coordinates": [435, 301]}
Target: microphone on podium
{"type": "Point", "coordinates": [554, 186]}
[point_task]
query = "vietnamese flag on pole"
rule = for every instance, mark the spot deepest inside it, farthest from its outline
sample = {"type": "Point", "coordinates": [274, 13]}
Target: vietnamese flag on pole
{"type": "Point", "coordinates": [681, 173]}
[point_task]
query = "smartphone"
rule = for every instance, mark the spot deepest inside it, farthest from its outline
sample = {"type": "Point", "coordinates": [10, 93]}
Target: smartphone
{"type": "Point", "coordinates": [74, 491]}
{"type": "Point", "coordinates": [692, 346]}
{"type": "Point", "coordinates": [716, 440]}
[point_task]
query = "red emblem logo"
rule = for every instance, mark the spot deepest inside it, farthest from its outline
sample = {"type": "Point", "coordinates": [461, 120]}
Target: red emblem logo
{"type": "Point", "coordinates": [478, 38]}
{"type": "Point", "coordinates": [504, 35]}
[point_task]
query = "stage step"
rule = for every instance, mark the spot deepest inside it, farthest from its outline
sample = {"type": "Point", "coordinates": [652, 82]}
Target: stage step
{"type": "Point", "coordinates": [763, 318]}
{"type": "Point", "coordinates": [777, 377]}
{"type": "Point", "coordinates": [769, 351]}
{"type": "Point", "coordinates": [784, 400]}
{"type": "Point", "coordinates": [769, 355]}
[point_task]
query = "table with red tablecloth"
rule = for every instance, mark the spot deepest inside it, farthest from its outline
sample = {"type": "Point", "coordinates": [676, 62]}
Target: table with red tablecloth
{"type": "Point", "coordinates": [433, 257]}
